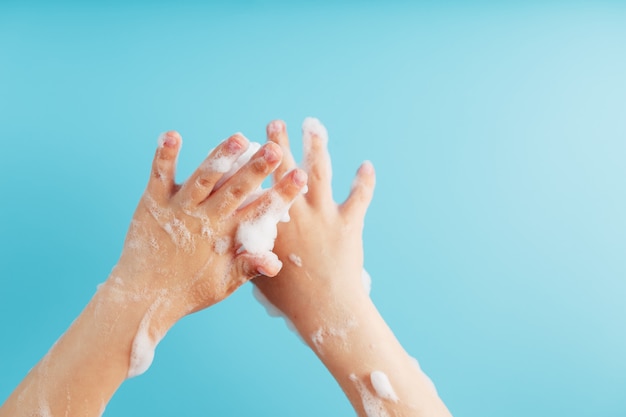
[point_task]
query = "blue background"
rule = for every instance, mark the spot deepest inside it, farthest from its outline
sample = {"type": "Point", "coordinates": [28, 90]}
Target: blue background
{"type": "Point", "coordinates": [496, 239]}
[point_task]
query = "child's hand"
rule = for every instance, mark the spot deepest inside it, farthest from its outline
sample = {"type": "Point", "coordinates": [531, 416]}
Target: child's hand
{"type": "Point", "coordinates": [322, 291]}
{"type": "Point", "coordinates": [321, 247]}
{"type": "Point", "coordinates": [182, 243]}
{"type": "Point", "coordinates": [188, 247]}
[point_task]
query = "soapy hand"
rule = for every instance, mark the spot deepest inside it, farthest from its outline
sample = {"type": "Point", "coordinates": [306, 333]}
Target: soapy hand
{"type": "Point", "coordinates": [183, 242]}
{"type": "Point", "coordinates": [321, 247]}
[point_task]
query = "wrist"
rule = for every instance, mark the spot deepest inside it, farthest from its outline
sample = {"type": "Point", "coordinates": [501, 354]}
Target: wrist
{"type": "Point", "coordinates": [331, 324]}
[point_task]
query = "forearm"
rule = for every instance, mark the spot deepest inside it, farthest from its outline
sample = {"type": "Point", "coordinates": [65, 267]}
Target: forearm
{"type": "Point", "coordinates": [84, 368]}
{"type": "Point", "coordinates": [358, 348]}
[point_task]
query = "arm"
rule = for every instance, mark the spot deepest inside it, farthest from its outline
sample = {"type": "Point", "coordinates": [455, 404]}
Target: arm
{"type": "Point", "coordinates": [182, 253]}
{"type": "Point", "coordinates": [321, 289]}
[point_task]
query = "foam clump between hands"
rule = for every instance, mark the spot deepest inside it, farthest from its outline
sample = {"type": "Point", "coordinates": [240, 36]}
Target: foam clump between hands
{"type": "Point", "coordinates": [258, 235]}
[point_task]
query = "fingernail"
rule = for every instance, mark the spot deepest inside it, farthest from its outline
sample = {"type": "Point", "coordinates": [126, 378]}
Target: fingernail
{"type": "Point", "coordinates": [313, 127]}
{"type": "Point", "coordinates": [299, 178]}
{"type": "Point", "coordinates": [276, 265]}
{"type": "Point", "coordinates": [236, 143]}
{"type": "Point", "coordinates": [271, 153]}
{"type": "Point", "coordinates": [366, 168]}
{"type": "Point", "coordinates": [167, 139]}
{"type": "Point", "coordinates": [275, 127]}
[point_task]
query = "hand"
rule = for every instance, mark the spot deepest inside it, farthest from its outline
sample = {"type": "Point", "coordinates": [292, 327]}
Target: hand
{"type": "Point", "coordinates": [321, 247]}
{"type": "Point", "coordinates": [321, 290]}
{"type": "Point", "coordinates": [188, 247]}
{"type": "Point", "coordinates": [182, 242]}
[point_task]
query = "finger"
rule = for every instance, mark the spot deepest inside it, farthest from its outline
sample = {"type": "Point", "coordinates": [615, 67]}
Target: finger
{"type": "Point", "coordinates": [362, 192]}
{"type": "Point", "coordinates": [317, 160]}
{"type": "Point", "coordinates": [250, 265]}
{"type": "Point", "coordinates": [161, 183]}
{"type": "Point", "coordinates": [200, 184]}
{"type": "Point", "coordinates": [244, 182]}
{"type": "Point", "coordinates": [257, 221]}
{"type": "Point", "coordinates": [277, 200]}
{"type": "Point", "coordinates": [277, 133]}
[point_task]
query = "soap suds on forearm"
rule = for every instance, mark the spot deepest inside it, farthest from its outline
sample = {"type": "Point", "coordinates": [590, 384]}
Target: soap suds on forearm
{"type": "Point", "coordinates": [373, 406]}
{"type": "Point", "coordinates": [295, 259]}
{"type": "Point", "coordinates": [336, 332]}
{"type": "Point", "coordinates": [426, 378]}
{"type": "Point", "coordinates": [273, 311]}
{"type": "Point", "coordinates": [366, 280]}
{"type": "Point", "coordinates": [144, 343]}
{"type": "Point", "coordinates": [382, 386]}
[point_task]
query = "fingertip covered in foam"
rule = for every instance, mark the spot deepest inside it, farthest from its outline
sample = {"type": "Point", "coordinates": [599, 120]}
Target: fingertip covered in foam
{"type": "Point", "coordinates": [312, 127]}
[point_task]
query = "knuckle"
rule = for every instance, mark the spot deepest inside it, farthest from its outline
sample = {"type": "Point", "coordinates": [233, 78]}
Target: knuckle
{"type": "Point", "coordinates": [204, 182]}
{"type": "Point", "coordinates": [259, 166]}
{"type": "Point", "coordinates": [236, 192]}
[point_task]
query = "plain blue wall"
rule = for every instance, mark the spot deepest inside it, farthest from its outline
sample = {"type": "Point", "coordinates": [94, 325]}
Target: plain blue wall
{"type": "Point", "coordinates": [496, 239]}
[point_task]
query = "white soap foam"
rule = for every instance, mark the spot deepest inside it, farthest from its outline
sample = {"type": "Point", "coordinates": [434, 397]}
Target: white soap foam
{"type": "Point", "coordinates": [103, 407]}
{"type": "Point", "coordinates": [221, 245]}
{"type": "Point", "coordinates": [373, 406]}
{"type": "Point", "coordinates": [270, 308]}
{"type": "Point", "coordinates": [426, 377]}
{"type": "Point", "coordinates": [274, 127]}
{"type": "Point", "coordinates": [258, 235]}
{"type": "Point", "coordinates": [313, 128]}
{"type": "Point", "coordinates": [154, 244]}
{"type": "Point", "coordinates": [273, 311]}
{"type": "Point", "coordinates": [44, 409]}
{"type": "Point", "coordinates": [142, 351]}
{"type": "Point", "coordinates": [318, 339]}
{"type": "Point", "coordinates": [220, 162]}
{"type": "Point", "coordinates": [161, 140]}
{"type": "Point", "coordinates": [366, 280]}
{"type": "Point", "coordinates": [382, 386]}
{"type": "Point", "coordinates": [295, 259]}
{"type": "Point", "coordinates": [357, 182]}
{"type": "Point", "coordinates": [253, 147]}
{"type": "Point", "coordinates": [338, 333]}
{"type": "Point", "coordinates": [180, 235]}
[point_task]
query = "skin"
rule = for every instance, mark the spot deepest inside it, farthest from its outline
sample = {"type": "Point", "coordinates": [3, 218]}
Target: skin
{"type": "Point", "coordinates": [180, 256]}
{"type": "Point", "coordinates": [325, 298]}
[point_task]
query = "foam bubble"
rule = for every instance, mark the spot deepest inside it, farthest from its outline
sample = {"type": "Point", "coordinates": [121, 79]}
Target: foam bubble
{"type": "Point", "coordinates": [273, 311]}
{"type": "Point", "coordinates": [373, 406]}
{"type": "Point", "coordinates": [313, 129]}
{"type": "Point", "coordinates": [221, 245]}
{"type": "Point", "coordinates": [318, 339]}
{"type": "Point", "coordinates": [295, 259]}
{"type": "Point", "coordinates": [253, 147]}
{"type": "Point", "coordinates": [180, 235]}
{"type": "Point", "coordinates": [44, 409]}
{"type": "Point", "coordinates": [142, 350]}
{"type": "Point", "coordinates": [221, 163]}
{"type": "Point", "coordinates": [258, 235]}
{"type": "Point", "coordinates": [161, 140]}
{"type": "Point", "coordinates": [103, 407]}
{"type": "Point", "coordinates": [274, 127]}
{"type": "Point", "coordinates": [270, 308]}
{"type": "Point", "coordinates": [338, 333]}
{"type": "Point", "coordinates": [382, 386]}
{"type": "Point", "coordinates": [311, 126]}
{"type": "Point", "coordinates": [429, 381]}
{"type": "Point", "coordinates": [366, 280]}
